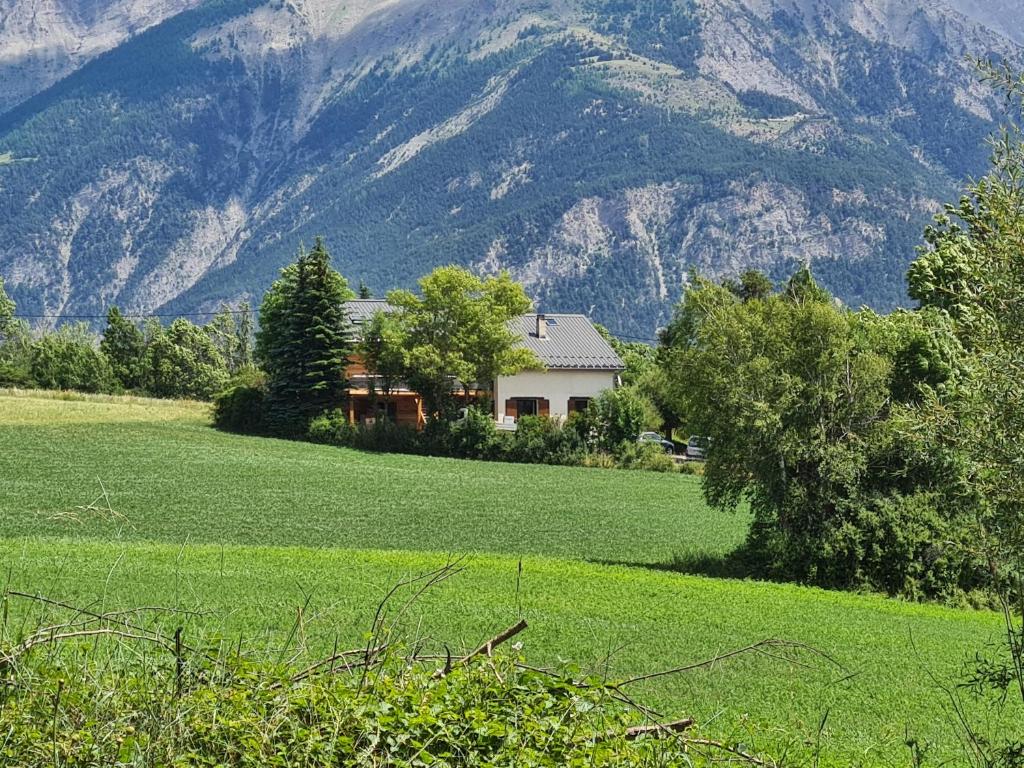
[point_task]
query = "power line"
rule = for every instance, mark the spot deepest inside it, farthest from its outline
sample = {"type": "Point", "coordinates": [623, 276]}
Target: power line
{"type": "Point", "coordinates": [134, 316]}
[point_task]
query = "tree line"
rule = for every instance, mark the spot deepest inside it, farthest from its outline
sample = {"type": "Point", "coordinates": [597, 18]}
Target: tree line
{"type": "Point", "coordinates": [182, 360]}
{"type": "Point", "coordinates": [448, 342]}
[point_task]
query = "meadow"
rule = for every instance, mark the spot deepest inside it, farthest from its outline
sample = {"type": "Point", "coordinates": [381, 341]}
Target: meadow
{"type": "Point", "coordinates": [118, 503]}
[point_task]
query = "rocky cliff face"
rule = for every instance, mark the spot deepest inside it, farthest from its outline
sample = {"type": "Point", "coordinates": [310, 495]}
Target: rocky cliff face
{"type": "Point", "coordinates": [599, 149]}
{"type": "Point", "coordinates": [42, 41]}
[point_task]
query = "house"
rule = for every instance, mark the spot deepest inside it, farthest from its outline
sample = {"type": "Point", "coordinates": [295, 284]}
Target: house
{"type": "Point", "coordinates": [578, 365]}
{"type": "Point", "coordinates": [364, 404]}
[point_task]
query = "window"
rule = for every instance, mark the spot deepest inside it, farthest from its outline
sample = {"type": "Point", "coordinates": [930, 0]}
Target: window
{"type": "Point", "coordinates": [526, 407]}
{"type": "Point", "coordinates": [387, 411]}
{"type": "Point", "coordinates": [578, 404]}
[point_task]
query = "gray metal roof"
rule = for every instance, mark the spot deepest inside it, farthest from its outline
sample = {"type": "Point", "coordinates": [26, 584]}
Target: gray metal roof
{"type": "Point", "coordinates": [572, 343]}
{"type": "Point", "coordinates": [361, 310]}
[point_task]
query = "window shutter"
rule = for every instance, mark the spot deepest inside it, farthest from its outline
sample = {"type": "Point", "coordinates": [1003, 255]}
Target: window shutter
{"type": "Point", "coordinates": [544, 407]}
{"type": "Point", "coordinates": [511, 409]}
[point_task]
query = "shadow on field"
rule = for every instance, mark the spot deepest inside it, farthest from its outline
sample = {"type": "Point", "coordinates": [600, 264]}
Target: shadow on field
{"type": "Point", "coordinates": [741, 563]}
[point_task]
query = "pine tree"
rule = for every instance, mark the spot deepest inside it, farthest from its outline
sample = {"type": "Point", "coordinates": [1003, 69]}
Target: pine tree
{"type": "Point", "coordinates": [304, 341]}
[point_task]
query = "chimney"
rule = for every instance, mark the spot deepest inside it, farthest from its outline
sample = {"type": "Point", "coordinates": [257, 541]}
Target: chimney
{"type": "Point", "coordinates": [542, 326]}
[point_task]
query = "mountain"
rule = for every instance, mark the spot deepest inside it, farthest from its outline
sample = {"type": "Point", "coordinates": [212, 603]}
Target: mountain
{"type": "Point", "coordinates": [42, 41]}
{"type": "Point", "coordinates": [599, 149]}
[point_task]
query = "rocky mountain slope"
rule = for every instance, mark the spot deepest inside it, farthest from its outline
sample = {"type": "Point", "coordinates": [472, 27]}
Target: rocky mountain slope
{"type": "Point", "coordinates": [42, 41]}
{"type": "Point", "coordinates": [600, 149]}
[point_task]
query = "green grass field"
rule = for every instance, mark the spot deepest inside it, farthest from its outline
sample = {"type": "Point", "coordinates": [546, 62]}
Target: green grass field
{"type": "Point", "coordinates": [248, 530]}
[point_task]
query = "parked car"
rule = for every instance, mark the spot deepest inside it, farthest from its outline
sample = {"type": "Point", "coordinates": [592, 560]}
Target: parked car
{"type": "Point", "coordinates": [697, 447]}
{"type": "Point", "coordinates": [653, 437]}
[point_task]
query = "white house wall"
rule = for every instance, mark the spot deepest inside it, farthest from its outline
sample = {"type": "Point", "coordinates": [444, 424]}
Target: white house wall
{"type": "Point", "coordinates": [557, 387]}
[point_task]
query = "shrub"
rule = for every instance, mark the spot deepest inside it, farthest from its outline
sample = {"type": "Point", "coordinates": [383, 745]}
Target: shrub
{"type": "Point", "coordinates": [616, 416]}
{"type": "Point", "coordinates": [332, 428]}
{"type": "Point", "coordinates": [387, 437]}
{"type": "Point", "coordinates": [599, 460]}
{"type": "Point", "coordinates": [240, 407]}
{"type": "Point", "coordinates": [14, 374]}
{"type": "Point", "coordinates": [238, 712]}
{"type": "Point", "coordinates": [474, 436]}
{"type": "Point", "coordinates": [68, 359]}
{"type": "Point", "coordinates": [540, 440]}
{"type": "Point", "coordinates": [647, 456]}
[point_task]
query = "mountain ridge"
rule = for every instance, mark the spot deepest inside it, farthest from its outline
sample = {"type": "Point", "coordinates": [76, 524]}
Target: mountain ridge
{"type": "Point", "coordinates": [599, 149]}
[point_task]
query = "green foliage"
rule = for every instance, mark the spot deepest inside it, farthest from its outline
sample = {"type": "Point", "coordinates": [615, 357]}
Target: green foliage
{"type": "Point", "coordinates": [540, 440]}
{"type": "Point", "coordinates": [804, 402]}
{"type": "Point", "coordinates": [382, 349]}
{"type": "Point", "coordinates": [68, 359]}
{"type": "Point", "coordinates": [645, 456]}
{"type": "Point", "coordinates": [183, 534]}
{"type": "Point", "coordinates": [7, 308]}
{"type": "Point", "coordinates": [124, 346]}
{"type": "Point", "coordinates": [457, 334]}
{"type": "Point", "coordinates": [15, 346]}
{"type": "Point", "coordinates": [970, 274]}
{"type": "Point", "coordinates": [304, 341]}
{"type": "Point", "coordinates": [383, 436]}
{"type": "Point", "coordinates": [240, 407]}
{"type": "Point", "coordinates": [250, 713]}
{"type": "Point", "coordinates": [614, 417]}
{"type": "Point", "coordinates": [232, 334]}
{"type": "Point", "coordinates": [753, 284]}
{"type": "Point", "coordinates": [474, 436]}
{"type": "Point", "coordinates": [182, 362]}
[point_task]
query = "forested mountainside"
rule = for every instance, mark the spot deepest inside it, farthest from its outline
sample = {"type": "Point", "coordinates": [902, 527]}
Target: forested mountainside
{"type": "Point", "coordinates": [599, 149]}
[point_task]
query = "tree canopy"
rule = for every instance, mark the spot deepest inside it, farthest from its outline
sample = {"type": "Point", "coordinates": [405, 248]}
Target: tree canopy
{"type": "Point", "coordinates": [798, 396]}
{"type": "Point", "coordinates": [458, 333]}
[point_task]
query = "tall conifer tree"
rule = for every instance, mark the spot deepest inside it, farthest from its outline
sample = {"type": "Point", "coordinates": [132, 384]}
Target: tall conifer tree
{"type": "Point", "coordinates": [304, 341]}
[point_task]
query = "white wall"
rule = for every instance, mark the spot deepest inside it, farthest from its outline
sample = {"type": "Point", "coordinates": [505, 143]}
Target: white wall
{"type": "Point", "coordinates": [555, 386]}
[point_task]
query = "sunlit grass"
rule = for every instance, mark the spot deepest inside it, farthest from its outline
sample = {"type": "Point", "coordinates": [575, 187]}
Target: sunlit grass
{"type": "Point", "coordinates": [115, 503]}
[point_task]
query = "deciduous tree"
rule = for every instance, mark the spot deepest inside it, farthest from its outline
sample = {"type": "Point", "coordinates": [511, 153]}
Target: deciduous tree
{"type": "Point", "coordinates": [182, 362]}
{"type": "Point", "coordinates": [382, 348]}
{"type": "Point", "coordinates": [797, 395]}
{"type": "Point", "coordinates": [68, 359]}
{"type": "Point", "coordinates": [458, 334]}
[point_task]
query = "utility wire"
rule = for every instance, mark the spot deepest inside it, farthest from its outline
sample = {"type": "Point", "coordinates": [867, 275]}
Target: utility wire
{"type": "Point", "coordinates": [134, 316]}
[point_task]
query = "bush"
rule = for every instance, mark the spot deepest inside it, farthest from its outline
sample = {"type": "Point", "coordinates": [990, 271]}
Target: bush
{"type": "Point", "coordinates": [333, 428]}
{"type": "Point", "coordinates": [68, 359]}
{"type": "Point", "coordinates": [240, 407]}
{"type": "Point", "coordinates": [15, 375]}
{"type": "Point", "coordinates": [238, 712]}
{"type": "Point", "coordinates": [540, 440]}
{"type": "Point", "coordinates": [475, 436]}
{"type": "Point", "coordinates": [615, 417]}
{"type": "Point", "coordinates": [599, 460]}
{"type": "Point", "coordinates": [647, 456]}
{"type": "Point", "coordinates": [537, 440]}
{"type": "Point", "coordinates": [385, 436]}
